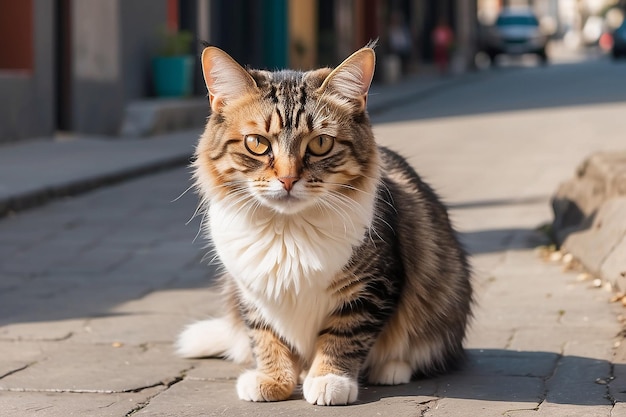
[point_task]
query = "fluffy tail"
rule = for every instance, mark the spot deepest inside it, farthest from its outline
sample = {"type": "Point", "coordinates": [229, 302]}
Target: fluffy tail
{"type": "Point", "coordinates": [220, 337]}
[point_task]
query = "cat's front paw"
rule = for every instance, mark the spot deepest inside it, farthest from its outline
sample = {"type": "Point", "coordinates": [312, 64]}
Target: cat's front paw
{"type": "Point", "coordinates": [330, 389]}
{"type": "Point", "coordinates": [257, 386]}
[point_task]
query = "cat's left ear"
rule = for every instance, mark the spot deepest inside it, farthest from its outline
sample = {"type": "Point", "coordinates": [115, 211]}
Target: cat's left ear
{"type": "Point", "coordinates": [351, 80]}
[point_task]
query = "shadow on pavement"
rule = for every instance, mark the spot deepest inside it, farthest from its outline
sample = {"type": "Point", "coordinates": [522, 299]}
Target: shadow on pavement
{"type": "Point", "coordinates": [513, 377]}
{"type": "Point", "coordinates": [498, 202]}
{"type": "Point", "coordinates": [497, 240]}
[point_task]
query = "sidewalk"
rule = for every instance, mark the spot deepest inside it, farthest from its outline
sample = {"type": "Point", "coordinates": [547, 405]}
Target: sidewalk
{"type": "Point", "coordinates": [94, 289]}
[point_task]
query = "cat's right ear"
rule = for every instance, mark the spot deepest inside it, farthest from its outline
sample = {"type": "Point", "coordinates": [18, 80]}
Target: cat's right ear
{"type": "Point", "coordinates": [224, 77]}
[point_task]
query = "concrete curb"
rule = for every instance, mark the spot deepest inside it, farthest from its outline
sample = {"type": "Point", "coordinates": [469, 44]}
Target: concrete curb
{"type": "Point", "coordinates": [33, 173]}
{"type": "Point", "coordinates": [589, 217]}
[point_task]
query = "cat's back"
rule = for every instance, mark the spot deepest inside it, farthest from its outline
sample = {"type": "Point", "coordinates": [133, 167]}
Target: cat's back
{"type": "Point", "coordinates": [433, 275]}
{"type": "Point", "coordinates": [420, 219]}
{"type": "Point", "coordinates": [410, 195]}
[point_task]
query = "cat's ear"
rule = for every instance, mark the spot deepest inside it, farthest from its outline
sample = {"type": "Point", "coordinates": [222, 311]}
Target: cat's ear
{"type": "Point", "coordinates": [351, 80]}
{"type": "Point", "coordinates": [224, 77]}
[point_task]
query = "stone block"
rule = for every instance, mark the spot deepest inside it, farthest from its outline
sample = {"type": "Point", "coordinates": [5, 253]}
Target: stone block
{"type": "Point", "coordinates": [600, 177]}
{"type": "Point", "coordinates": [574, 204]}
{"type": "Point", "coordinates": [157, 116]}
{"type": "Point", "coordinates": [593, 246]}
{"type": "Point", "coordinates": [614, 266]}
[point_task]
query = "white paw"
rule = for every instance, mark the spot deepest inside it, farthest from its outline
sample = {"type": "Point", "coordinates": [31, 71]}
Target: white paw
{"type": "Point", "coordinates": [391, 373]}
{"type": "Point", "coordinates": [256, 386]}
{"type": "Point", "coordinates": [248, 386]}
{"type": "Point", "coordinates": [330, 390]}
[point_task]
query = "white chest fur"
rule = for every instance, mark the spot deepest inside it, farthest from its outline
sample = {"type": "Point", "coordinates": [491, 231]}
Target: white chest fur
{"type": "Point", "coordinates": [284, 263]}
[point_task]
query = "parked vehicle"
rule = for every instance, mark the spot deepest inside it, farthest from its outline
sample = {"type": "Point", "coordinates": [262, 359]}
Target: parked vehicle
{"type": "Point", "coordinates": [516, 32]}
{"type": "Point", "coordinates": [618, 49]}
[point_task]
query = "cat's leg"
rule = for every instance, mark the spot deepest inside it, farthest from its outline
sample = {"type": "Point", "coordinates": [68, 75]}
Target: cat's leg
{"type": "Point", "coordinates": [391, 372]}
{"type": "Point", "coordinates": [389, 361]}
{"type": "Point", "coordinates": [392, 359]}
{"type": "Point", "coordinates": [398, 354]}
{"type": "Point", "coordinates": [277, 370]}
{"type": "Point", "coordinates": [224, 337]}
{"type": "Point", "coordinates": [333, 376]}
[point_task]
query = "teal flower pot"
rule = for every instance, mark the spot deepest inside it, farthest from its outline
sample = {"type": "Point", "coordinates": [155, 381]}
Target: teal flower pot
{"type": "Point", "coordinates": [173, 75]}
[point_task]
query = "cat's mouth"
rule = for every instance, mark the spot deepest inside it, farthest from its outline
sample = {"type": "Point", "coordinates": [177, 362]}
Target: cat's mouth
{"type": "Point", "coordinates": [286, 203]}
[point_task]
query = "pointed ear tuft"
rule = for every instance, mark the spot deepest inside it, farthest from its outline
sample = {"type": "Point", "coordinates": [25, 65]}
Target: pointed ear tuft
{"type": "Point", "coordinates": [351, 80]}
{"type": "Point", "coordinates": [224, 77]}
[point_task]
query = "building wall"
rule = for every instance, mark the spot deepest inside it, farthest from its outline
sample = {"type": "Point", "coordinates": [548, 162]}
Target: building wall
{"type": "Point", "coordinates": [253, 32]}
{"type": "Point", "coordinates": [141, 22]}
{"type": "Point", "coordinates": [27, 106]}
{"type": "Point", "coordinates": [113, 42]}
{"type": "Point", "coordinates": [302, 34]}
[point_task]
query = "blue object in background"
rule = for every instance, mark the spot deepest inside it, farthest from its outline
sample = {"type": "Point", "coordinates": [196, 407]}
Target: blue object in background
{"type": "Point", "coordinates": [173, 75]}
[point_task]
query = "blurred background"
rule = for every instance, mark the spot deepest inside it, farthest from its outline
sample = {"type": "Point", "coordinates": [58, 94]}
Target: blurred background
{"type": "Point", "coordinates": [78, 65]}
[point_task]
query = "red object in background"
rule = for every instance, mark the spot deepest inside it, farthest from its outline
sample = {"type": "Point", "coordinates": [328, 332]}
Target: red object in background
{"type": "Point", "coordinates": [16, 35]}
{"type": "Point", "coordinates": [443, 39]}
{"type": "Point", "coordinates": [172, 15]}
{"type": "Point", "coordinates": [606, 41]}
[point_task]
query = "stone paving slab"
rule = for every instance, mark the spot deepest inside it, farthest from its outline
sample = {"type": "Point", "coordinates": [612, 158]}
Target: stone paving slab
{"type": "Point", "coordinates": [575, 381]}
{"type": "Point", "coordinates": [219, 398]}
{"type": "Point", "coordinates": [50, 404]}
{"type": "Point", "coordinates": [72, 367]}
{"type": "Point", "coordinates": [500, 362]}
{"type": "Point", "coordinates": [455, 407]}
{"type": "Point", "coordinates": [41, 332]}
{"type": "Point", "coordinates": [547, 409]}
{"type": "Point", "coordinates": [122, 328]}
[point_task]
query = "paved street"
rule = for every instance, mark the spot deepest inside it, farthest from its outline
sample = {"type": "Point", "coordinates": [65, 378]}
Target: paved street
{"type": "Point", "coordinates": [94, 288]}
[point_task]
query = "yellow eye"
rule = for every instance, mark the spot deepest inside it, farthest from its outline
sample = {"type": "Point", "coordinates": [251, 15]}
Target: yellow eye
{"type": "Point", "coordinates": [321, 145]}
{"type": "Point", "coordinates": [257, 145]}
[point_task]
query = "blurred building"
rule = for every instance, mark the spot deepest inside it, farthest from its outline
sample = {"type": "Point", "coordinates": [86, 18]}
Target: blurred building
{"type": "Point", "coordinates": [577, 22]}
{"type": "Point", "coordinates": [76, 65]}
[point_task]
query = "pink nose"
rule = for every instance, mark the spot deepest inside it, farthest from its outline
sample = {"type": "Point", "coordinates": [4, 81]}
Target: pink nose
{"type": "Point", "coordinates": [288, 182]}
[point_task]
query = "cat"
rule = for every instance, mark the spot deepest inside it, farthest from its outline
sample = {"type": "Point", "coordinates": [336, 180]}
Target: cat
{"type": "Point", "coordinates": [341, 264]}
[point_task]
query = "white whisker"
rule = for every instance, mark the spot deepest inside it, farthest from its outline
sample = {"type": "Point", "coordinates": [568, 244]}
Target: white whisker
{"type": "Point", "coordinates": [183, 193]}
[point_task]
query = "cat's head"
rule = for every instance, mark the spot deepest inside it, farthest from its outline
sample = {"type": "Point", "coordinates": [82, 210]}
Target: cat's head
{"type": "Point", "coordinates": [287, 140]}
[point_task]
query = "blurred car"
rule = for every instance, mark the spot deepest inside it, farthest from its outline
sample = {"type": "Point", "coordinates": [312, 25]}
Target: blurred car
{"type": "Point", "coordinates": [516, 32]}
{"type": "Point", "coordinates": [618, 49]}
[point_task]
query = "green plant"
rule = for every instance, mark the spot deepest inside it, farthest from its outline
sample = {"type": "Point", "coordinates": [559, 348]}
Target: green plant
{"type": "Point", "coordinates": [175, 42]}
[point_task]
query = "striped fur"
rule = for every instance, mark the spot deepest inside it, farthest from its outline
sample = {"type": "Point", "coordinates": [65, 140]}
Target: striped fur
{"type": "Point", "coordinates": [340, 261]}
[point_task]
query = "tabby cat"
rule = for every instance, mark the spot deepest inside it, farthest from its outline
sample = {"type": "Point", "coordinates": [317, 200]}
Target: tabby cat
{"type": "Point", "coordinates": [341, 263]}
